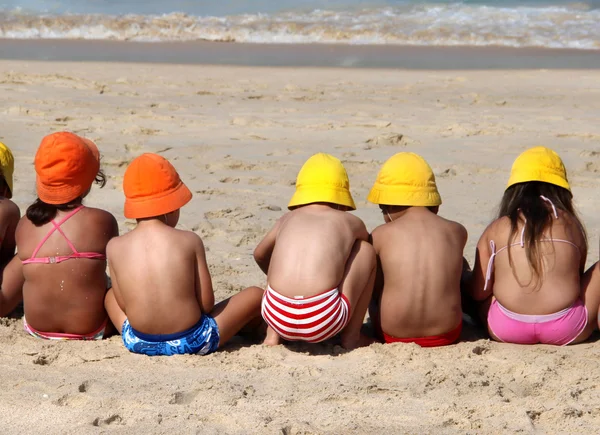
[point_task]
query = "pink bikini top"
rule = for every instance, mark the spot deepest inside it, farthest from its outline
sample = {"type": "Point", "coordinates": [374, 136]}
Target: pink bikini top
{"type": "Point", "coordinates": [61, 258]}
{"type": "Point", "coordinates": [490, 267]}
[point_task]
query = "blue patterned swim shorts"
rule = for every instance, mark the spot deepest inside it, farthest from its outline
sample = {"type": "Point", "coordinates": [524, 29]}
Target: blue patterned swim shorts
{"type": "Point", "coordinates": [201, 339]}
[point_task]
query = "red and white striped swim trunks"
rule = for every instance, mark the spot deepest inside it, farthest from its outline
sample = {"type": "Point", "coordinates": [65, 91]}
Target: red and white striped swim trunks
{"type": "Point", "coordinates": [311, 319]}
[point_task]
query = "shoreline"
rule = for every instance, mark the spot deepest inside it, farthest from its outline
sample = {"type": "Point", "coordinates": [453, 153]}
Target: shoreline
{"type": "Point", "coordinates": [300, 55]}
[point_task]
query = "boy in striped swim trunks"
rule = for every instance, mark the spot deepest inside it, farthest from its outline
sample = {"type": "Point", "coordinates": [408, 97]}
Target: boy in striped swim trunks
{"type": "Point", "coordinates": [320, 267]}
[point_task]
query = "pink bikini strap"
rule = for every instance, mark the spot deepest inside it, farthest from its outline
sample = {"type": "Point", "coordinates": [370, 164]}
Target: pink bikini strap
{"type": "Point", "coordinates": [490, 267]}
{"type": "Point", "coordinates": [57, 227]}
{"type": "Point", "coordinates": [552, 204]}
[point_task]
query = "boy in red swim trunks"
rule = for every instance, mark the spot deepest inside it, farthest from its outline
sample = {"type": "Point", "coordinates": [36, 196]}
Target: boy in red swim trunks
{"type": "Point", "coordinates": [417, 292]}
{"type": "Point", "coordinates": [320, 268]}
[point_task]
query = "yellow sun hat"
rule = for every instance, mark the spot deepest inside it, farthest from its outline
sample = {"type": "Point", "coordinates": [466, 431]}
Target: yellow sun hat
{"type": "Point", "coordinates": [322, 179]}
{"type": "Point", "coordinates": [7, 165]}
{"type": "Point", "coordinates": [539, 164]}
{"type": "Point", "coordinates": [405, 179]}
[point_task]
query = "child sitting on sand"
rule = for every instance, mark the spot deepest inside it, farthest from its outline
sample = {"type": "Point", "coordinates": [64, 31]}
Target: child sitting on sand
{"type": "Point", "coordinates": [12, 276]}
{"type": "Point", "coordinates": [529, 264]}
{"type": "Point", "coordinates": [9, 211]}
{"type": "Point", "coordinates": [417, 291]}
{"type": "Point", "coordinates": [62, 244]}
{"type": "Point", "coordinates": [162, 299]}
{"type": "Point", "coordinates": [320, 267]}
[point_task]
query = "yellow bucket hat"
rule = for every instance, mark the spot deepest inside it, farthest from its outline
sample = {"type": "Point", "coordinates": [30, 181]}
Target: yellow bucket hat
{"type": "Point", "coordinates": [7, 165]}
{"type": "Point", "coordinates": [539, 164]}
{"type": "Point", "coordinates": [406, 180]}
{"type": "Point", "coordinates": [322, 179]}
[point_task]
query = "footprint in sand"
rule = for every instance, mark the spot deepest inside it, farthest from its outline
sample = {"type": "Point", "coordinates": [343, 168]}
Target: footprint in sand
{"type": "Point", "coordinates": [113, 419]}
{"type": "Point", "coordinates": [389, 139]}
{"type": "Point", "coordinates": [229, 180]}
{"type": "Point", "coordinates": [251, 121]}
{"type": "Point", "coordinates": [446, 173]}
{"type": "Point", "coordinates": [592, 167]}
{"type": "Point", "coordinates": [260, 181]}
{"type": "Point", "coordinates": [183, 398]}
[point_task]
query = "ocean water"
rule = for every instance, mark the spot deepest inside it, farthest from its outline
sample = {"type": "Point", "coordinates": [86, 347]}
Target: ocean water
{"type": "Point", "coordinates": [532, 23]}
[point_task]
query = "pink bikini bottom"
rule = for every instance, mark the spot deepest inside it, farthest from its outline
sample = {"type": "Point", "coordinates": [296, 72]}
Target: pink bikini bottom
{"type": "Point", "coordinates": [558, 329]}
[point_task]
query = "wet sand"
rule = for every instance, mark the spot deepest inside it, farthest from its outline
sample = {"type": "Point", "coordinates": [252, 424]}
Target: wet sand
{"type": "Point", "coordinates": [300, 55]}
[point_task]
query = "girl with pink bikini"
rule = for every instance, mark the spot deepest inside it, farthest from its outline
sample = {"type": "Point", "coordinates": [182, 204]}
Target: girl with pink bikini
{"type": "Point", "coordinates": [529, 264]}
{"type": "Point", "coordinates": [62, 244]}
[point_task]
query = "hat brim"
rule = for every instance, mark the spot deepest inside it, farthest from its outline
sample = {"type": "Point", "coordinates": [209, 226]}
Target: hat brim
{"type": "Point", "coordinates": [557, 180]}
{"type": "Point", "coordinates": [158, 205]}
{"type": "Point", "coordinates": [389, 196]}
{"type": "Point", "coordinates": [310, 195]}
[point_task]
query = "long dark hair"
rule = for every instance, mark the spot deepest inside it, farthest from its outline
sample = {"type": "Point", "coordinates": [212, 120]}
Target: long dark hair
{"type": "Point", "coordinates": [523, 201]}
{"type": "Point", "coordinates": [40, 213]}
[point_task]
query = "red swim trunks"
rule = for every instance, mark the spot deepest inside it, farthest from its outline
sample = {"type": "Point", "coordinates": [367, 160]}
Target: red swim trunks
{"type": "Point", "coordinates": [431, 341]}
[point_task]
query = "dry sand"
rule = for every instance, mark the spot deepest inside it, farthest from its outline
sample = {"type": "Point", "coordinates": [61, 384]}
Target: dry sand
{"type": "Point", "coordinates": [238, 136]}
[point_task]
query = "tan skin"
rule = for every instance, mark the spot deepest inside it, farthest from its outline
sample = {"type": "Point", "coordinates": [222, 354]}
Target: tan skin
{"type": "Point", "coordinates": [10, 267]}
{"type": "Point", "coordinates": [564, 278]}
{"type": "Point", "coordinates": [417, 293]}
{"type": "Point", "coordinates": [162, 285]}
{"type": "Point", "coordinates": [9, 219]}
{"type": "Point", "coordinates": [315, 248]}
{"type": "Point", "coordinates": [66, 297]}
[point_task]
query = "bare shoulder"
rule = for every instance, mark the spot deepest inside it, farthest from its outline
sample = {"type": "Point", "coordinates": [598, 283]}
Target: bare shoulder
{"type": "Point", "coordinates": [379, 231]}
{"type": "Point", "coordinates": [190, 238]}
{"type": "Point", "coordinates": [115, 244]}
{"type": "Point", "coordinates": [352, 219]}
{"type": "Point", "coordinates": [496, 229]}
{"type": "Point", "coordinates": [23, 226]}
{"type": "Point", "coordinates": [9, 209]}
{"type": "Point", "coordinates": [456, 228]}
{"type": "Point", "coordinates": [378, 234]}
{"type": "Point", "coordinates": [100, 216]}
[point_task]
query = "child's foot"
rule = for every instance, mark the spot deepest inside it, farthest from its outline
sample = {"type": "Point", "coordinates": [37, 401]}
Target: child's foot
{"type": "Point", "coordinates": [272, 338]}
{"type": "Point", "coordinates": [351, 343]}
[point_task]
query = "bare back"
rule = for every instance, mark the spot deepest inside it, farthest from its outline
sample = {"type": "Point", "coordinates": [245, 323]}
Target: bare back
{"type": "Point", "coordinates": [563, 261]}
{"type": "Point", "coordinates": [312, 246]}
{"type": "Point", "coordinates": [66, 297]}
{"type": "Point", "coordinates": [154, 270]}
{"type": "Point", "coordinates": [421, 259]}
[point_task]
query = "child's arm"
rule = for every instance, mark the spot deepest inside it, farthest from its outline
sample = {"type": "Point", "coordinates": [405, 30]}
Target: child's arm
{"type": "Point", "coordinates": [204, 288]}
{"type": "Point", "coordinates": [9, 219]}
{"type": "Point", "coordinates": [476, 284]}
{"type": "Point", "coordinates": [360, 230]}
{"type": "Point", "coordinates": [378, 289]}
{"type": "Point", "coordinates": [114, 281]}
{"type": "Point", "coordinates": [11, 292]}
{"type": "Point", "coordinates": [264, 250]}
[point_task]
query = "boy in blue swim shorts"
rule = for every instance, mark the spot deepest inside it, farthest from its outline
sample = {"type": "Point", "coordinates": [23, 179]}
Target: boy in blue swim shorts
{"type": "Point", "coordinates": [162, 299]}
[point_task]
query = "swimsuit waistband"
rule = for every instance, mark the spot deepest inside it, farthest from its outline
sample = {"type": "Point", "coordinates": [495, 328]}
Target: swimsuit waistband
{"type": "Point", "coordinates": [97, 334]}
{"type": "Point", "coordinates": [302, 300]}
{"type": "Point", "coordinates": [535, 318]}
{"type": "Point", "coordinates": [167, 337]}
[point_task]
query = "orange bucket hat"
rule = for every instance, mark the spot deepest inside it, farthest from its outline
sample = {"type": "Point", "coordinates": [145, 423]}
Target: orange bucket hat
{"type": "Point", "coordinates": [66, 166]}
{"type": "Point", "coordinates": [152, 187]}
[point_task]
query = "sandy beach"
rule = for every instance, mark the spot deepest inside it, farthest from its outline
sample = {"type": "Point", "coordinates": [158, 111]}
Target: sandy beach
{"type": "Point", "coordinates": [238, 136]}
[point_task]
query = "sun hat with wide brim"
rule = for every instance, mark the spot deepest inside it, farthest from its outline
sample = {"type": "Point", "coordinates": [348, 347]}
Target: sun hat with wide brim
{"type": "Point", "coordinates": [66, 166]}
{"type": "Point", "coordinates": [405, 179]}
{"type": "Point", "coordinates": [152, 187]}
{"type": "Point", "coordinates": [539, 164]}
{"type": "Point", "coordinates": [322, 178]}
